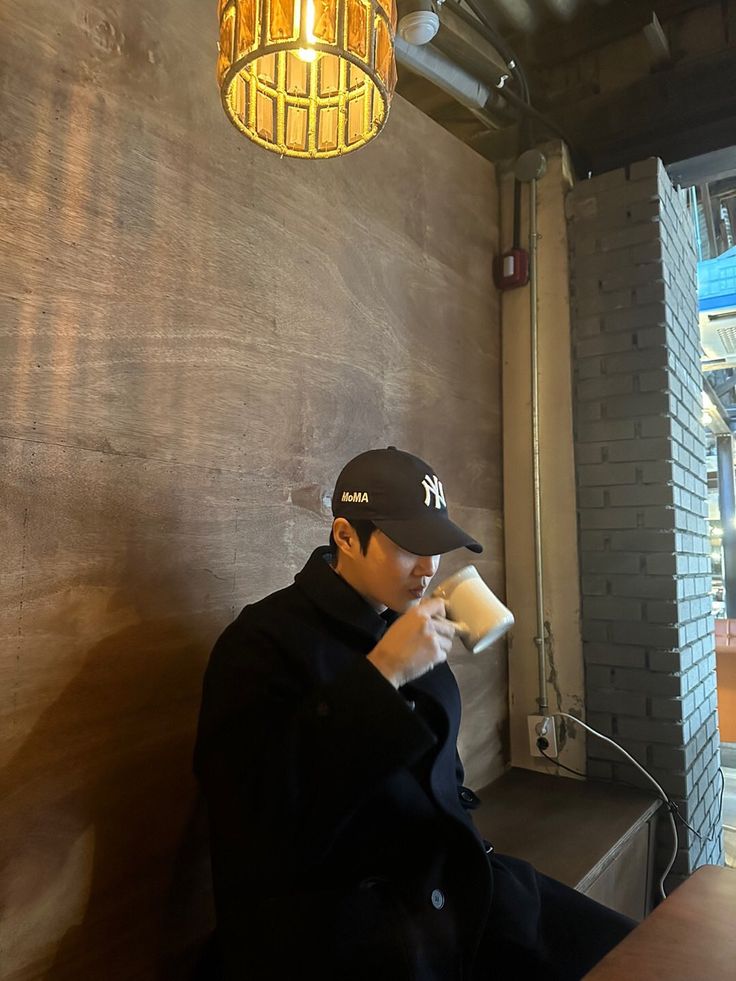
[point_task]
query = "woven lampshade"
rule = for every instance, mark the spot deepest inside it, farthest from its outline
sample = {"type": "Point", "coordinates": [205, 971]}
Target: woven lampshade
{"type": "Point", "coordinates": [307, 78]}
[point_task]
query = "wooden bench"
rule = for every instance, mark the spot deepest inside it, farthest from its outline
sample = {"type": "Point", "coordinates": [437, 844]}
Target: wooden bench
{"type": "Point", "coordinates": [596, 837]}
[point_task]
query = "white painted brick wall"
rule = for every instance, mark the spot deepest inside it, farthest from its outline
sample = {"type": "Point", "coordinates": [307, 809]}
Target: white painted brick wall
{"type": "Point", "coordinates": [640, 459]}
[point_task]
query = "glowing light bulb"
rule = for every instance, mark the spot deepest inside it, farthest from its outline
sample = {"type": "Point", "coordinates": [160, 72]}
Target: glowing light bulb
{"type": "Point", "coordinates": [308, 54]}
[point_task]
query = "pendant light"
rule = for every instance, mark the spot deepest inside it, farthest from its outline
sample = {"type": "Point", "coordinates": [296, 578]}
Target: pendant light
{"type": "Point", "coordinates": [307, 78]}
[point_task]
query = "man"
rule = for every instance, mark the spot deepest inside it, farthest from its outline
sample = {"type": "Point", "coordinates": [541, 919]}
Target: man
{"type": "Point", "coordinates": [342, 847]}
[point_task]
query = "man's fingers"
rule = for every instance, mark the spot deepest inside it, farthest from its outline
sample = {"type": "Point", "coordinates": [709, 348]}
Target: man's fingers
{"type": "Point", "coordinates": [443, 644]}
{"type": "Point", "coordinates": [434, 606]}
{"type": "Point", "coordinates": [444, 627]}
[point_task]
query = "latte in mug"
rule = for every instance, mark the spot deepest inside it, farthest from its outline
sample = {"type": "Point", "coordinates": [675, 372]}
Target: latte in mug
{"type": "Point", "coordinates": [479, 616]}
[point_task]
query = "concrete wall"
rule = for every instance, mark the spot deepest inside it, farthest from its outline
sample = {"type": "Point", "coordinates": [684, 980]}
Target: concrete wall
{"type": "Point", "coordinates": [194, 336]}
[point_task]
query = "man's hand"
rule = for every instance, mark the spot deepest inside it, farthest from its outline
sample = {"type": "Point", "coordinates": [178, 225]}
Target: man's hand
{"type": "Point", "coordinates": [415, 643]}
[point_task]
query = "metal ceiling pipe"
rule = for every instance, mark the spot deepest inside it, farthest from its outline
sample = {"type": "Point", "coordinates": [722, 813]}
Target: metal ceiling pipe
{"type": "Point", "coordinates": [431, 64]}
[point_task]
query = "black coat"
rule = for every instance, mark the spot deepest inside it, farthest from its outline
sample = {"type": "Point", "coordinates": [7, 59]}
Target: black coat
{"type": "Point", "coordinates": [342, 847]}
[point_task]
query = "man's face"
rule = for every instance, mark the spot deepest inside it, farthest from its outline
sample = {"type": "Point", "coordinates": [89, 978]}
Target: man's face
{"type": "Point", "coordinates": [388, 576]}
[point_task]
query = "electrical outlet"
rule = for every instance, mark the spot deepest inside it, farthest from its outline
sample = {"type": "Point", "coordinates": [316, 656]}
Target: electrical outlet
{"type": "Point", "coordinates": [542, 726]}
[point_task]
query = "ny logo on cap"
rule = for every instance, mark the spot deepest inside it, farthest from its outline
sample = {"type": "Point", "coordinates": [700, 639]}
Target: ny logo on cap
{"type": "Point", "coordinates": [432, 485]}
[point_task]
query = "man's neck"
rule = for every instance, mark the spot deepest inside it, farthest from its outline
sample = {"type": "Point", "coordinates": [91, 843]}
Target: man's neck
{"type": "Point", "coordinates": [339, 570]}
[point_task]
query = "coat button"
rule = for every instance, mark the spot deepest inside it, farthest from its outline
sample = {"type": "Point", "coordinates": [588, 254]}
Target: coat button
{"type": "Point", "coordinates": [438, 898]}
{"type": "Point", "coordinates": [412, 704]}
{"type": "Point", "coordinates": [466, 795]}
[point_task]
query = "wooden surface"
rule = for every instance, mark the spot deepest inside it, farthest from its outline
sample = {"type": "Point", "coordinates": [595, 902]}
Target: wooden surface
{"type": "Point", "coordinates": [689, 937]}
{"type": "Point", "coordinates": [726, 672]}
{"type": "Point", "coordinates": [194, 336]}
{"type": "Point", "coordinates": [568, 829]}
{"type": "Point", "coordinates": [626, 883]}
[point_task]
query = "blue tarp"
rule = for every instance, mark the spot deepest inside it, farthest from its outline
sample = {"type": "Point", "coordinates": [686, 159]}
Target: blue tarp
{"type": "Point", "coordinates": [717, 282]}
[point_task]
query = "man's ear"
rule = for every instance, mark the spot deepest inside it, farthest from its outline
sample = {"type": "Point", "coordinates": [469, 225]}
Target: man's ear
{"type": "Point", "coordinates": [344, 535]}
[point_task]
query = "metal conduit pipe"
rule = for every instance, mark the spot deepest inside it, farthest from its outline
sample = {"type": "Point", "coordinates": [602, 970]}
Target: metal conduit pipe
{"type": "Point", "coordinates": [540, 639]}
{"type": "Point", "coordinates": [431, 64]}
{"type": "Point", "coordinates": [446, 75]}
{"type": "Point", "coordinates": [530, 166]}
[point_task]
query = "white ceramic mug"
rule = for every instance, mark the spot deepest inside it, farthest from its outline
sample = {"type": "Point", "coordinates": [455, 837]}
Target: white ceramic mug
{"type": "Point", "coordinates": [479, 616]}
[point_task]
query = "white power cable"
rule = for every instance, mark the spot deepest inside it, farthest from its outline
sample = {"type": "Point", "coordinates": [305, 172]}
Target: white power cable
{"type": "Point", "coordinates": [660, 791]}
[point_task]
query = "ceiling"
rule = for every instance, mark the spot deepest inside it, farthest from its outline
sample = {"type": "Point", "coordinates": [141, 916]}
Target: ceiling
{"type": "Point", "coordinates": [622, 79]}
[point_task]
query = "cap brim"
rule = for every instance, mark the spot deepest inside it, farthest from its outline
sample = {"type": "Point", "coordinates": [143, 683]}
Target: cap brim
{"type": "Point", "coordinates": [427, 535]}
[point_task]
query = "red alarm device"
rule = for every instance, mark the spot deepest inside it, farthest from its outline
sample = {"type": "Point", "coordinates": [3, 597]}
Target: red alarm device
{"type": "Point", "coordinates": [511, 269]}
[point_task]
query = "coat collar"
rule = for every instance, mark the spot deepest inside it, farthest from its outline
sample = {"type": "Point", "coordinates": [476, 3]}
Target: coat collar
{"type": "Point", "coordinates": [337, 598]}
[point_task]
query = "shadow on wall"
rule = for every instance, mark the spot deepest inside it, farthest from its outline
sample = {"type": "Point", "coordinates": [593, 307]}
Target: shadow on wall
{"type": "Point", "coordinates": [105, 868]}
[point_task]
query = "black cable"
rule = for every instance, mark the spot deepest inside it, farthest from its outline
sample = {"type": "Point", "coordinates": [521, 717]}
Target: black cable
{"type": "Point", "coordinates": [581, 163]}
{"type": "Point", "coordinates": [578, 773]}
{"type": "Point", "coordinates": [672, 809]}
{"type": "Point", "coordinates": [483, 26]}
{"type": "Point", "coordinates": [716, 823]}
{"type": "Point", "coordinates": [671, 805]}
{"type": "Point", "coordinates": [563, 767]}
{"type": "Point", "coordinates": [522, 102]}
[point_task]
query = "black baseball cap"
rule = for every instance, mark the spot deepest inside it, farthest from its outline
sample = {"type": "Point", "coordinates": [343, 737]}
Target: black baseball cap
{"type": "Point", "coordinates": [403, 497]}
